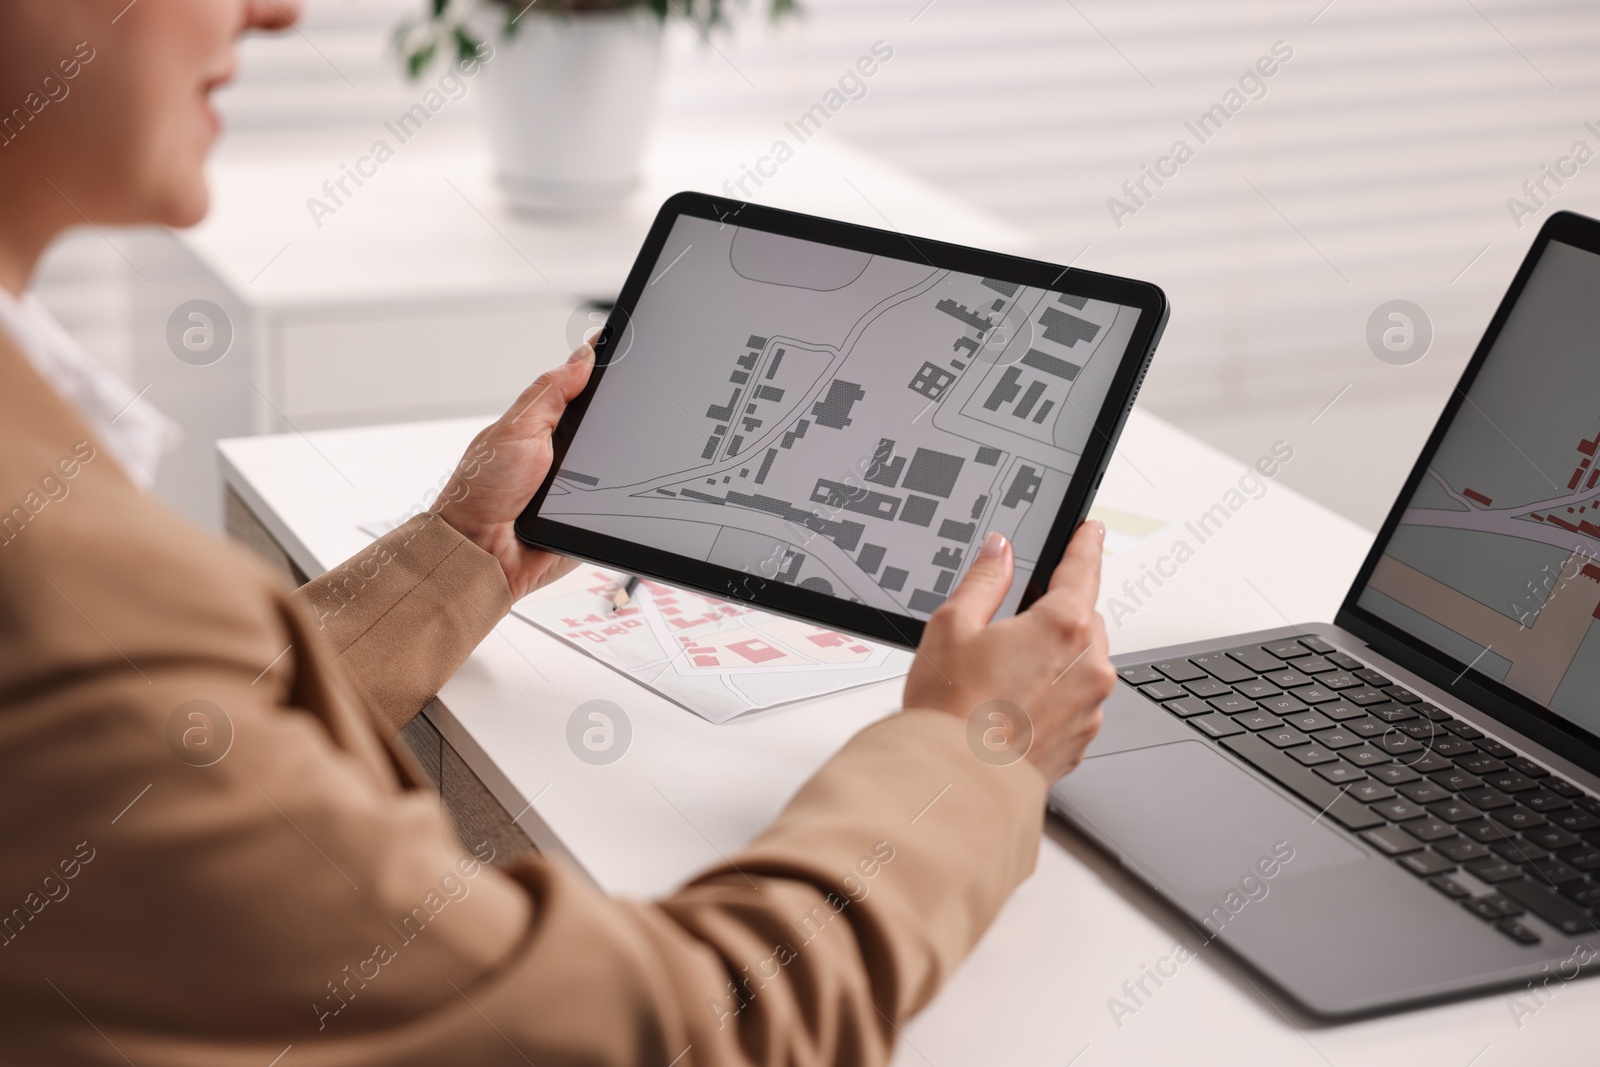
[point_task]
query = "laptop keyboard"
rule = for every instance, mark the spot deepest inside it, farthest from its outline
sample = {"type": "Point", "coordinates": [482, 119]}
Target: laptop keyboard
{"type": "Point", "coordinates": [1414, 782]}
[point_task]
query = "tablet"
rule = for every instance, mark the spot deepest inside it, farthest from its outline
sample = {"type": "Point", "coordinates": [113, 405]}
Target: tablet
{"type": "Point", "coordinates": [825, 420]}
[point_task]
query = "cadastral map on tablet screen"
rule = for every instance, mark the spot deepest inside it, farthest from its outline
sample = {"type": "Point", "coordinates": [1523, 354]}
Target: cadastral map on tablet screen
{"type": "Point", "coordinates": [844, 422]}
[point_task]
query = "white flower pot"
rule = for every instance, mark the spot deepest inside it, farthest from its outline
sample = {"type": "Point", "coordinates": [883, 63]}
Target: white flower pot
{"type": "Point", "coordinates": [570, 101]}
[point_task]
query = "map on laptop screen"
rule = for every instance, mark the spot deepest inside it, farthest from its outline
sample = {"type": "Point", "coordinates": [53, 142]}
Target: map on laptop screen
{"type": "Point", "coordinates": [1496, 560]}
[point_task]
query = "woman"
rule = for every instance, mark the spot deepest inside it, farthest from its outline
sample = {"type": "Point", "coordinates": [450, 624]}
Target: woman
{"type": "Point", "coordinates": [301, 900]}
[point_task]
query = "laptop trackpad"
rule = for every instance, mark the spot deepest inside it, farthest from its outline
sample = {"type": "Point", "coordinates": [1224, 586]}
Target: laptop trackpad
{"type": "Point", "coordinates": [1191, 822]}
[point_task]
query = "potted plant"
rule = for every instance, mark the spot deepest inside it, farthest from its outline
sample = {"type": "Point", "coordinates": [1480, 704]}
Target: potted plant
{"type": "Point", "coordinates": [570, 85]}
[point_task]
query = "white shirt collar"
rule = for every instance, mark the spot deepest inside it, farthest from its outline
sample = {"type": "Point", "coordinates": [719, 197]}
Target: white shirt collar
{"type": "Point", "coordinates": [131, 428]}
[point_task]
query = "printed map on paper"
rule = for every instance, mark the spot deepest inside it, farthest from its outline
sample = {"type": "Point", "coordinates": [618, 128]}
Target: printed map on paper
{"type": "Point", "coordinates": [716, 658]}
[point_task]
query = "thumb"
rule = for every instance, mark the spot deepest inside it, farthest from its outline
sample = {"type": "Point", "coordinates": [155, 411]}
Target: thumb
{"type": "Point", "coordinates": [984, 586]}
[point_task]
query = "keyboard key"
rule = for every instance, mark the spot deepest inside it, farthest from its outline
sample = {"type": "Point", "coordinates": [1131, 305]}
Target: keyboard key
{"type": "Point", "coordinates": [1164, 691]}
{"type": "Point", "coordinates": [1345, 660]}
{"type": "Point", "coordinates": [1232, 704]}
{"type": "Point", "coordinates": [1496, 749]}
{"type": "Point", "coordinates": [1373, 678]}
{"type": "Point", "coordinates": [1367, 726]}
{"type": "Point", "coordinates": [1401, 695]}
{"type": "Point", "coordinates": [1453, 747]}
{"type": "Point", "coordinates": [1316, 694]}
{"type": "Point", "coordinates": [1426, 864]}
{"type": "Point", "coordinates": [1258, 720]}
{"type": "Point", "coordinates": [1519, 851]}
{"type": "Point", "coordinates": [1365, 756]}
{"type": "Point", "coordinates": [1553, 838]}
{"type": "Point", "coordinates": [1257, 689]}
{"type": "Point", "coordinates": [1457, 781]}
{"type": "Point", "coordinates": [1392, 712]}
{"type": "Point", "coordinates": [1588, 803]}
{"type": "Point", "coordinates": [1398, 810]}
{"type": "Point", "coordinates": [1486, 831]}
{"type": "Point", "coordinates": [1187, 707]}
{"type": "Point", "coordinates": [1257, 659]}
{"type": "Point", "coordinates": [1317, 645]}
{"type": "Point", "coordinates": [1427, 763]}
{"type": "Point", "coordinates": [1340, 680]}
{"type": "Point", "coordinates": [1398, 744]}
{"type": "Point", "coordinates": [1450, 887]}
{"type": "Point", "coordinates": [1284, 737]}
{"type": "Point", "coordinates": [1487, 799]}
{"type": "Point", "coordinates": [1550, 906]}
{"type": "Point", "coordinates": [1314, 665]}
{"type": "Point", "coordinates": [1339, 773]}
{"type": "Point", "coordinates": [1282, 705]}
{"type": "Point", "coordinates": [1223, 667]}
{"type": "Point", "coordinates": [1494, 870]}
{"type": "Point", "coordinates": [1462, 849]}
{"type": "Point", "coordinates": [1428, 829]}
{"type": "Point", "coordinates": [1207, 687]}
{"type": "Point", "coordinates": [1508, 782]}
{"type": "Point", "coordinates": [1420, 729]}
{"type": "Point", "coordinates": [1312, 755]}
{"type": "Point", "coordinates": [1545, 801]}
{"type": "Point", "coordinates": [1493, 907]}
{"type": "Point", "coordinates": [1340, 711]}
{"type": "Point", "coordinates": [1583, 894]}
{"type": "Point", "coordinates": [1320, 795]}
{"type": "Point", "coordinates": [1309, 721]}
{"type": "Point", "coordinates": [1180, 670]}
{"type": "Point", "coordinates": [1287, 679]}
{"type": "Point", "coordinates": [1338, 739]}
{"type": "Point", "coordinates": [1139, 675]}
{"type": "Point", "coordinates": [1584, 857]}
{"type": "Point", "coordinates": [1563, 788]}
{"type": "Point", "coordinates": [1434, 712]}
{"type": "Point", "coordinates": [1215, 725]}
{"type": "Point", "coordinates": [1518, 818]}
{"type": "Point", "coordinates": [1453, 811]}
{"type": "Point", "coordinates": [1576, 821]}
{"type": "Point", "coordinates": [1524, 765]}
{"type": "Point", "coordinates": [1369, 792]}
{"type": "Point", "coordinates": [1364, 696]}
{"type": "Point", "coordinates": [1517, 932]}
{"type": "Point", "coordinates": [1480, 763]}
{"type": "Point", "coordinates": [1424, 792]}
{"type": "Point", "coordinates": [1287, 649]}
{"type": "Point", "coordinates": [1549, 869]}
{"type": "Point", "coordinates": [1464, 730]}
{"type": "Point", "coordinates": [1394, 774]}
{"type": "Point", "coordinates": [1392, 841]}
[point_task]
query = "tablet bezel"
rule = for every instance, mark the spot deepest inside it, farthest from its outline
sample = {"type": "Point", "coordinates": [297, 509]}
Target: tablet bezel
{"type": "Point", "coordinates": [770, 594]}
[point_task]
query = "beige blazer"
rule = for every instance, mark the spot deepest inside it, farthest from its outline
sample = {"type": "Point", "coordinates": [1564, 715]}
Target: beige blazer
{"type": "Point", "coordinates": [186, 885]}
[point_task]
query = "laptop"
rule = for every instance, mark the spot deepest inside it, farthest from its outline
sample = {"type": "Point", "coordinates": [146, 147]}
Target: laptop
{"type": "Point", "coordinates": [1402, 806]}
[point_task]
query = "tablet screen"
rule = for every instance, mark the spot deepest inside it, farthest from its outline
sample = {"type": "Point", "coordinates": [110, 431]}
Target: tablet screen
{"type": "Point", "coordinates": [848, 423]}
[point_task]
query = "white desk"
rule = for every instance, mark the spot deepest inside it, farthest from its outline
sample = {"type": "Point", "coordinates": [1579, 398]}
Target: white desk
{"type": "Point", "coordinates": [1035, 991]}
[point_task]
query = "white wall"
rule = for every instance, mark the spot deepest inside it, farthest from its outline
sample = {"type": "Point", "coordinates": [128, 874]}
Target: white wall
{"type": "Point", "coordinates": [1377, 166]}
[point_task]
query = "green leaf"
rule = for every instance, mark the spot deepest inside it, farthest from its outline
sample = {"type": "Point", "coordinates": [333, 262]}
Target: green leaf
{"type": "Point", "coordinates": [418, 61]}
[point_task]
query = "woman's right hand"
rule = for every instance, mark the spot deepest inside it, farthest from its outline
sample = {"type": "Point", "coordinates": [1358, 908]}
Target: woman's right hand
{"type": "Point", "coordinates": [1050, 661]}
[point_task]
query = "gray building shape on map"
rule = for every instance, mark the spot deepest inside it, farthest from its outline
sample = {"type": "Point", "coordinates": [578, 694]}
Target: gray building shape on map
{"type": "Point", "coordinates": [833, 410]}
{"type": "Point", "coordinates": [1065, 329]}
{"type": "Point", "coordinates": [933, 473]}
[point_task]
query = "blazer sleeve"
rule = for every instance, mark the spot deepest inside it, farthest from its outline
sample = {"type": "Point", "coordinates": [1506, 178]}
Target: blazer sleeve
{"type": "Point", "coordinates": [403, 615]}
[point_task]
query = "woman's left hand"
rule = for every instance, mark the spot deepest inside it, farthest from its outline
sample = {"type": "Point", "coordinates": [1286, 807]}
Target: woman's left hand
{"type": "Point", "coordinates": [502, 470]}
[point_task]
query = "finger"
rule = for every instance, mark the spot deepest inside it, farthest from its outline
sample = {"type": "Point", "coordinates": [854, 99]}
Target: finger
{"type": "Point", "coordinates": [1077, 577]}
{"type": "Point", "coordinates": [540, 406]}
{"type": "Point", "coordinates": [984, 586]}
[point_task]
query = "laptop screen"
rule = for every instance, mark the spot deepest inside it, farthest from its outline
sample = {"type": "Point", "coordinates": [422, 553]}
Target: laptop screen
{"type": "Point", "coordinates": [1495, 561]}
